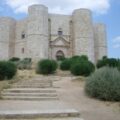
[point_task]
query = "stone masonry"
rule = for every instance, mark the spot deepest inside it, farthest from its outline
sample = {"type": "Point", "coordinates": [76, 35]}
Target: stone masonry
{"type": "Point", "coordinates": [43, 35]}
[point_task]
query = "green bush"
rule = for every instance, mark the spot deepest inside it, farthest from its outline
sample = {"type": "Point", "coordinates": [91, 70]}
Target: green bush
{"type": "Point", "coordinates": [46, 66]}
{"type": "Point", "coordinates": [102, 63]}
{"type": "Point", "coordinates": [26, 63]}
{"type": "Point", "coordinates": [65, 64]}
{"type": "Point", "coordinates": [7, 70]}
{"type": "Point", "coordinates": [104, 84]}
{"type": "Point", "coordinates": [118, 66]}
{"type": "Point", "coordinates": [84, 68]}
{"type": "Point", "coordinates": [14, 59]}
{"type": "Point", "coordinates": [111, 62]}
{"type": "Point", "coordinates": [77, 59]}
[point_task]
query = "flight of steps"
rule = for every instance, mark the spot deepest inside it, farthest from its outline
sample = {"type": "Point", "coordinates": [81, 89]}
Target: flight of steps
{"type": "Point", "coordinates": [40, 90]}
{"type": "Point", "coordinates": [31, 90]}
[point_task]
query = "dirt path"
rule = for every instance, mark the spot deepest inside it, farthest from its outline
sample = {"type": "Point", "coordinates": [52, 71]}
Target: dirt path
{"type": "Point", "coordinates": [72, 92]}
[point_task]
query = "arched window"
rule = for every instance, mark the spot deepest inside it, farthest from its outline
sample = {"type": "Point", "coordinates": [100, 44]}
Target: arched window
{"type": "Point", "coordinates": [60, 32]}
{"type": "Point", "coordinates": [60, 55]}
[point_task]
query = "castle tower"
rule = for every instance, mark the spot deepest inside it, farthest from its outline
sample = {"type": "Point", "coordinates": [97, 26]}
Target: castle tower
{"type": "Point", "coordinates": [7, 37]}
{"type": "Point", "coordinates": [37, 32]}
{"type": "Point", "coordinates": [100, 41]}
{"type": "Point", "coordinates": [83, 33]}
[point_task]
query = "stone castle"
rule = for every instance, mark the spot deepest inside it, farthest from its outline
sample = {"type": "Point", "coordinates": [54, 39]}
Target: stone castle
{"type": "Point", "coordinates": [43, 35]}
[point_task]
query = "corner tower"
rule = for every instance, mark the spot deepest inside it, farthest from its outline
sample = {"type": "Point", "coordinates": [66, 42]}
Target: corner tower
{"type": "Point", "coordinates": [100, 41]}
{"type": "Point", "coordinates": [37, 32]}
{"type": "Point", "coordinates": [83, 33]}
{"type": "Point", "coordinates": [7, 37]}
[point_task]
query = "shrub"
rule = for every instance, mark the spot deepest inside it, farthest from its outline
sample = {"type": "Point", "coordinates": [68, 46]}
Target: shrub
{"type": "Point", "coordinates": [46, 66]}
{"type": "Point", "coordinates": [14, 59]}
{"type": "Point", "coordinates": [77, 59]}
{"type": "Point", "coordinates": [7, 70]}
{"type": "Point", "coordinates": [104, 84]}
{"type": "Point", "coordinates": [24, 64]}
{"type": "Point", "coordinates": [65, 64]}
{"type": "Point", "coordinates": [84, 68]}
{"type": "Point", "coordinates": [101, 63]}
{"type": "Point", "coordinates": [111, 62]}
{"type": "Point", "coordinates": [84, 57]}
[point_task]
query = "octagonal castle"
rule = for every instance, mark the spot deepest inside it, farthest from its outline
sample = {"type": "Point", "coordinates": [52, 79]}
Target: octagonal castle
{"type": "Point", "coordinates": [43, 35]}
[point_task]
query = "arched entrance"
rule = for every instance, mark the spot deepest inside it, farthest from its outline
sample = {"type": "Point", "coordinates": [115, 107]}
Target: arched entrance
{"type": "Point", "coordinates": [60, 55]}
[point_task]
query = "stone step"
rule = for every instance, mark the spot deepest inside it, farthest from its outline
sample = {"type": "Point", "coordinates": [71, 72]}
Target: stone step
{"type": "Point", "coordinates": [31, 86]}
{"type": "Point", "coordinates": [29, 94]}
{"type": "Point", "coordinates": [34, 82]}
{"type": "Point", "coordinates": [31, 98]}
{"type": "Point", "coordinates": [30, 90]}
{"type": "Point", "coordinates": [40, 114]}
{"type": "Point", "coordinates": [63, 118]}
{"type": "Point", "coordinates": [37, 82]}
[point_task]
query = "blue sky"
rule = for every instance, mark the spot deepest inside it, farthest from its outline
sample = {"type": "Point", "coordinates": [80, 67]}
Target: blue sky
{"type": "Point", "coordinates": [106, 11]}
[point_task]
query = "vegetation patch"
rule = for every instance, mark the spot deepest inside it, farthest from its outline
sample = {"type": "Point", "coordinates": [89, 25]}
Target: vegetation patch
{"type": "Point", "coordinates": [65, 64]}
{"type": "Point", "coordinates": [46, 66]}
{"type": "Point", "coordinates": [83, 68]}
{"type": "Point", "coordinates": [7, 70]}
{"type": "Point", "coordinates": [111, 62]}
{"type": "Point", "coordinates": [104, 84]}
{"type": "Point", "coordinates": [25, 64]}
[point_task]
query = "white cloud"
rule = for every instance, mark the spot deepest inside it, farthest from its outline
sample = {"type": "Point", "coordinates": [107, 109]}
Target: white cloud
{"type": "Point", "coordinates": [116, 42]}
{"type": "Point", "coordinates": [117, 39]}
{"type": "Point", "coordinates": [116, 46]}
{"type": "Point", "coordinates": [62, 6]}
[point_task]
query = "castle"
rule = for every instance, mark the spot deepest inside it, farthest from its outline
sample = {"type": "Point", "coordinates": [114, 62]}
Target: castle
{"type": "Point", "coordinates": [43, 35]}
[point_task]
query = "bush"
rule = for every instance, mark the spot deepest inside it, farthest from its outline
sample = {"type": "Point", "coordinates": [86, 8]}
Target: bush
{"type": "Point", "coordinates": [65, 64]}
{"type": "Point", "coordinates": [84, 68]}
{"type": "Point", "coordinates": [14, 59]}
{"type": "Point", "coordinates": [102, 63]}
{"type": "Point", "coordinates": [111, 62]}
{"type": "Point", "coordinates": [7, 70]}
{"type": "Point", "coordinates": [24, 64]}
{"type": "Point", "coordinates": [77, 59]}
{"type": "Point", "coordinates": [46, 66]}
{"type": "Point", "coordinates": [104, 84]}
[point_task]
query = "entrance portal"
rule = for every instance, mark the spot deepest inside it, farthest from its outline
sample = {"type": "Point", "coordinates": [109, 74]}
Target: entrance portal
{"type": "Point", "coordinates": [60, 55]}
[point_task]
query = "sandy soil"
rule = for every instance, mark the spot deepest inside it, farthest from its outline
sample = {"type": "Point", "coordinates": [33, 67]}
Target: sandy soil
{"type": "Point", "coordinates": [72, 92]}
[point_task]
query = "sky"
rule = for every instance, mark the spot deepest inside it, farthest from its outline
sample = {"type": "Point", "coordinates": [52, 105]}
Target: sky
{"type": "Point", "coordinates": [104, 11]}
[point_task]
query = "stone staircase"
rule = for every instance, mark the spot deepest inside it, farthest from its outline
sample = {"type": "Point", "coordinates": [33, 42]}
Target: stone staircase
{"type": "Point", "coordinates": [35, 98]}
{"type": "Point", "coordinates": [31, 90]}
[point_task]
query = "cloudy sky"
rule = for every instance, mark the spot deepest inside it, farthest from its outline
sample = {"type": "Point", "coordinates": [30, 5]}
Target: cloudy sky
{"type": "Point", "coordinates": [106, 11]}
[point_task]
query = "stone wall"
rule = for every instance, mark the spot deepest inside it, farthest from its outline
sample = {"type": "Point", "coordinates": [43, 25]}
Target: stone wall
{"type": "Point", "coordinates": [21, 43]}
{"type": "Point", "coordinates": [83, 33]}
{"type": "Point", "coordinates": [37, 32]}
{"type": "Point", "coordinates": [80, 36]}
{"type": "Point", "coordinates": [100, 41]}
{"type": "Point", "coordinates": [7, 37]}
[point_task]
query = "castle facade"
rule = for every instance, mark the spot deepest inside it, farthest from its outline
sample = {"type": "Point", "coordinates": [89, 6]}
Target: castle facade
{"type": "Point", "coordinates": [43, 35]}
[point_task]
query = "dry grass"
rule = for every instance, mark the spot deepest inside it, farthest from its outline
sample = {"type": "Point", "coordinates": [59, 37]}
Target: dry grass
{"type": "Point", "coordinates": [21, 74]}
